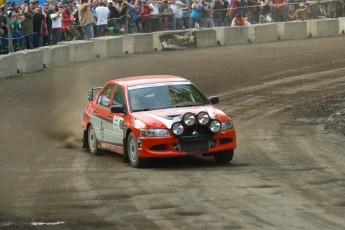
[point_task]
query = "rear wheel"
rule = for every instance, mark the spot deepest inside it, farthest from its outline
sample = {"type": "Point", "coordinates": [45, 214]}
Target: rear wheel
{"type": "Point", "coordinates": [224, 157]}
{"type": "Point", "coordinates": [92, 140]}
{"type": "Point", "coordinates": [132, 150]}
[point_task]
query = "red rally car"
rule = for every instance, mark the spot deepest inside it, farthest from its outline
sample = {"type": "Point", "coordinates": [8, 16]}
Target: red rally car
{"type": "Point", "coordinates": [156, 116]}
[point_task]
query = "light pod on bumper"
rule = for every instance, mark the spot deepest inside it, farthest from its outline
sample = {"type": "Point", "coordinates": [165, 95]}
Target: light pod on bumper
{"type": "Point", "coordinates": [177, 128]}
{"type": "Point", "coordinates": [203, 118]}
{"type": "Point", "coordinates": [215, 126]}
{"type": "Point", "coordinates": [188, 119]}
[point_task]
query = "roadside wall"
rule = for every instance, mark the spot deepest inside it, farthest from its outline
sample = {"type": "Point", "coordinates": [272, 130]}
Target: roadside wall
{"type": "Point", "coordinates": [109, 47]}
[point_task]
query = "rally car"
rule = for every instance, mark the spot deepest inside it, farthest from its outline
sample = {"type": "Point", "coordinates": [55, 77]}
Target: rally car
{"type": "Point", "coordinates": [156, 116]}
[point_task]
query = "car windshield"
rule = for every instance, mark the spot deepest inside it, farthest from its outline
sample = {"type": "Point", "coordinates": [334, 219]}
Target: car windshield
{"type": "Point", "coordinates": [169, 95]}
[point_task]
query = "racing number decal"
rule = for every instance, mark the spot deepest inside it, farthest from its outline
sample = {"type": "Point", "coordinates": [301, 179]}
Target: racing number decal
{"type": "Point", "coordinates": [118, 123]}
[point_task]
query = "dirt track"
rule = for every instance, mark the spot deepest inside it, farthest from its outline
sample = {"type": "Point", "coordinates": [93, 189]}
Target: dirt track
{"type": "Point", "coordinates": [287, 102]}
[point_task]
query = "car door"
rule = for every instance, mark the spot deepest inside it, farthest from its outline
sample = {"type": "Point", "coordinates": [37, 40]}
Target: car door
{"type": "Point", "coordinates": [116, 129]}
{"type": "Point", "coordinates": [101, 115]}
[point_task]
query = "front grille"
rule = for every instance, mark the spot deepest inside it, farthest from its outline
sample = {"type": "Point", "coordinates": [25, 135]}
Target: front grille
{"type": "Point", "coordinates": [225, 141]}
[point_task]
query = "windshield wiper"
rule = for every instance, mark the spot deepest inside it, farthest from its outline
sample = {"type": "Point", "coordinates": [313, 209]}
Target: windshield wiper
{"type": "Point", "coordinates": [139, 110]}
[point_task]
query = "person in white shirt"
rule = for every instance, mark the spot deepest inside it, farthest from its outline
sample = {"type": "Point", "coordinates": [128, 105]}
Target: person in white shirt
{"type": "Point", "coordinates": [102, 15]}
{"type": "Point", "coordinates": [178, 13]}
{"type": "Point", "coordinates": [56, 25]}
{"type": "Point", "coordinates": [154, 15]}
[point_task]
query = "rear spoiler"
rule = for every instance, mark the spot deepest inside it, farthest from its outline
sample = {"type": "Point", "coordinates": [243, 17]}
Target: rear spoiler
{"type": "Point", "coordinates": [90, 95]}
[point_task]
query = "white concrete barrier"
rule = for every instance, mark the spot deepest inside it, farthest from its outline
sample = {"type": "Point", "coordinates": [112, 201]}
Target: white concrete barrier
{"type": "Point", "coordinates": [263, 33]}
{"type": "Point", "coordinates": [108, 47]}
{"type": "Point", "coordinates": [79, 51]}
{"type": "Point", "coordinates": [55, 56]}
{"type": "Point", "coordinates": [205, 37]}
{"type": "Point", "coordinates": [341, 25]}
{"type": "Point", "coordinates": [138, 43]}
{"type": "Point", "coordinates": [324, 27]}
{"type": "Point", "coordinates": [292, 30]}
{"type": "Point", "coordinates": [29, 60]}
{"type": "Point", "coordinates": [232, 35]}
{"type": "Point", "coordinates": [8, 65]}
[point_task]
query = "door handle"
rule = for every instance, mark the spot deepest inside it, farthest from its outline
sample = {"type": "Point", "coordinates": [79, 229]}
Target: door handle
{"type": "Point", "coordinates": [109, 115]}
{"type": "Point", "coordinates": [95, 111]}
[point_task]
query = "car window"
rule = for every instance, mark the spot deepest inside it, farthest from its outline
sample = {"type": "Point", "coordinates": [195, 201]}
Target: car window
{"type": "Point", "coordinates": [165, 96]}
{"type": "Point", "coordinates": [119, 97]}
{"type": "Point", "coordinates": [104, 99]}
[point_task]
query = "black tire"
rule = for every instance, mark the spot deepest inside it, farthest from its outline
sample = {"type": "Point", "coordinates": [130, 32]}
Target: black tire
{"type": "Point", "coordinates": [224, 157]}
{"type": "Point", "coordinates": [92, 140]}
{"type": "Point", "coordinates": [132, 151]}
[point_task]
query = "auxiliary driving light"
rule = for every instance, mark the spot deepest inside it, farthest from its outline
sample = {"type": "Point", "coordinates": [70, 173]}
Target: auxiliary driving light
{"type": "Point", "coordinates": [177, 128]}
{"type": "Point", "coordinates": [189, 119]}
{"type": "Point", "coordinates": [203, 118]}
{"type": "Point", "coordinates": [215, 126]}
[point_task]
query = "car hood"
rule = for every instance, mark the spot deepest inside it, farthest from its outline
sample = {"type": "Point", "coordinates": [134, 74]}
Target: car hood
{"type": "Point", "coordinates": [164, 118]}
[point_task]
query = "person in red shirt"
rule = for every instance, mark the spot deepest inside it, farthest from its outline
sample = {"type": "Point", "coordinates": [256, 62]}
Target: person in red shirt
{"type": "Point", "coordinates": [278, 10]}
{"type": "Point", "coordinates": [145, 11]}
{"type": "Point", "coordinates": [70, 32]}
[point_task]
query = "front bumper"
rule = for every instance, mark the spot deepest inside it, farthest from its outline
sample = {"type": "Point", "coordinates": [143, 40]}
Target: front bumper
{"type": "Point", "coordinates": [172, 146]}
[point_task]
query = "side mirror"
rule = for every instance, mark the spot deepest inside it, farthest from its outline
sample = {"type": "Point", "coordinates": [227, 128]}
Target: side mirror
{"type": "Point", "coordinates": [90, 94]}
{"type": "Point", "coordinates": [214, 99]}
{"type": "Point", "coordinates": [117, 108]}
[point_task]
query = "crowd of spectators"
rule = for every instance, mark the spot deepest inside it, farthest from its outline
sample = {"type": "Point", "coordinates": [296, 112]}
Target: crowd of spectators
{"type": "Point", "coordinates": [34, 25]}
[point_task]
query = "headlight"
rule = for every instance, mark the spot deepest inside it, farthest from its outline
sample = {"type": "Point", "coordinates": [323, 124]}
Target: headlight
{"type": "Point", "coordinates": [227, 125]}
{"type": "Point", "coordinates": [215, 126]}
{"type": "Point", "coordinates": [153, 132]}
{"type": "Point", "coordinates": [203, 118]}
{"type": "Point", "coordinates": [177, 129]}
{"type": "Point", "coordinates": [189, 119]}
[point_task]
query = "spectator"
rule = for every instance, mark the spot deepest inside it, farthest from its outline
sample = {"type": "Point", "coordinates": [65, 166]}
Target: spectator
{"type": "Point", "coordinates": [186, 13]}
{"type": "Point", "coordinates": [264, 17]}
{"type": "Point", "coordinates": [122, 8]}
{"type": "Point", "coordinates": [292, 13]}
{"type": "Point", "coordinates": [56, 25]}
{"type": "Point", "coordinates": [195, 15]}
{"type": "Point", "coordinates": [251, 18]}
{"type": "Point", "coordinates": [145, 11]}
{"type": "Point", "coordinates": [102, 15]}
{"type": "Point", "coordinates": [154, 16]}
{"type": "Point", "coordinates": [239, 20]}
{"type": "Point", "coordinates": [39, 27]}
{"type": "Point", "coordinates": [113, 15]}
{"type": "Point", "coordinates": [86, 19]}
{"type": "Point", "coordinates": [48, 10]}
{"type": "Point", "coordinates": [27, 29]}
{"type": "Point", "coordinates": [332, 9]}
{"type": "Point", "coordinates": [301, 11]}
{"type": "Point", "coordinates": [16, 28]}
{"type": "Point", "coordinates": [134, 23]}
{"type": "Point", "coordinates": [218, 8]}
{"type": "Point", "coordinates": [177, 7]}
{"type": "Point", "coordinates": [70, 32]}
{"type": "Point", "coordinates": [206, 14]}
{"type": "Point", "coordinates": [233, 10]}
{"type": "Point", "coordinates": [278, 10]}
{"type": "Point", "coordinates": [169, 19]}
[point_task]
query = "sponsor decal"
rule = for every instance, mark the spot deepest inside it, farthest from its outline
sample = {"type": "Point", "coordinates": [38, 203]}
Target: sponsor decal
{"type": "Point", "coordinates": [178, 40]}
{"type": "Point", "coordinates": [118, 123]}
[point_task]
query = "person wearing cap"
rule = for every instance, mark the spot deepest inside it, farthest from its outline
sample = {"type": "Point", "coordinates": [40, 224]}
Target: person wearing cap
{"type": "Point", "coordinates": [86, 19]}
{"type": "Point", "coordinates": [154, 16]}
{"type": "Point", "coordinates": [177, 7]}
{"type": "Point", "coordinates": [48, 10]}
{"type": "Point", "coordinates": [70, 32]}
{"type": "Point", "coordinates": [113, 15]}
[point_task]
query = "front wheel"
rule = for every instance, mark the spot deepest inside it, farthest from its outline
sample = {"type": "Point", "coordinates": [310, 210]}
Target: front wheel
{"type": "Point", "coordinates": [132, 150]}
{"type": "Point", "coordinates": [92, 140]}
{"type": "Point", "coordinates": [224, 157]}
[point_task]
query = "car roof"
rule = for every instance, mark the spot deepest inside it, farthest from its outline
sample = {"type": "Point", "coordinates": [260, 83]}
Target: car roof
{"type": "Point", "coordinates": [149, 79]}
